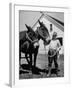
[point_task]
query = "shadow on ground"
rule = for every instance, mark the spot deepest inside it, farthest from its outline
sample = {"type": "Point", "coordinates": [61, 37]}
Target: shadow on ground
{"type": "Point", "coordinates": [41, 70]}
{"type": "Point", "coordinates": [35, 70]}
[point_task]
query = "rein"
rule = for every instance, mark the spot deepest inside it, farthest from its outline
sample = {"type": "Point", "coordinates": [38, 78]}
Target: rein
{"type": "Point", "coordinates": [32, 41]}
{"type": "Point", "coordinates": [55, 52]}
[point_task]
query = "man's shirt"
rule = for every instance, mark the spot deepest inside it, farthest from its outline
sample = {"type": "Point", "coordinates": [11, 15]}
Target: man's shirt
{"type": "Point", "coordinates": [54, 44]}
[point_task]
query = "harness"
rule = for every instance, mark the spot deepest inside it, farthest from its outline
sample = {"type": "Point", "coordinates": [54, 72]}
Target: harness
{"type": "Point", "coordinates": [29, 39]}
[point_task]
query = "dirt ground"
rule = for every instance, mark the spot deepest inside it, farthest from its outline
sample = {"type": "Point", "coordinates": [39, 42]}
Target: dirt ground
{"type": "Point", "coordinates": [41, 69]}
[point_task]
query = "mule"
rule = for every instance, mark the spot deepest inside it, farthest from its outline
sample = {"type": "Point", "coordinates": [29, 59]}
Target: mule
{"type": "Point", "coordinates": [29, 44]}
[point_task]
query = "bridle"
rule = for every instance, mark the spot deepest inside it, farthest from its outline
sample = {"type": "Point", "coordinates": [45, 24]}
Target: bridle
{"type": "Point", "coordinates": [32, 41]}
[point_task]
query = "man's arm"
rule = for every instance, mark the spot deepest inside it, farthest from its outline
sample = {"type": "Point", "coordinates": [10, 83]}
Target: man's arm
{"type": "Point", "coordinates": [58, 45]}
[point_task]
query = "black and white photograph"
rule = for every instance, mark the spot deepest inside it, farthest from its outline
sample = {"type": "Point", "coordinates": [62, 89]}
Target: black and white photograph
{"type": "Point", "coordinates": [41, 44]}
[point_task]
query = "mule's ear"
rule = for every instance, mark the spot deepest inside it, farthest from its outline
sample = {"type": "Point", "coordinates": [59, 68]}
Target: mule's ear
{"type": "Point", "coordinates": [39, 21]}
{"type": "Point", "coordinates": [27, 27]}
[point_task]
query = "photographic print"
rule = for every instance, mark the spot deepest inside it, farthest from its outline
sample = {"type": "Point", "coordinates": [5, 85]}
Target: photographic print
{"type": "Point", "coordinates": [41, 44]}
{"type": "Point", "coordinates": [39, 47]}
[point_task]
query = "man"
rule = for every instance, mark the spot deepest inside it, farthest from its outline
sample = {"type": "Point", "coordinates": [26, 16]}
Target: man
{"type": "Point", "coordinates": [54, 47]}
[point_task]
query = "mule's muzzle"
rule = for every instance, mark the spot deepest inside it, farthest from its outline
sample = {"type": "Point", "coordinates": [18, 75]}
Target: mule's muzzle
{"type": "Point", "coordinates": [36, 44]}
{"type": "Point", "coordinates": [47, 41]}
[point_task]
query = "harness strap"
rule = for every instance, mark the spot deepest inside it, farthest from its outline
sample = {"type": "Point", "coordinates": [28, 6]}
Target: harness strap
{"type": "Point", "coordinates": [27, 36]}
{"type": "Point", "coordinates": [32, 41]}
{"type": "Point", "coordinates": [45, 49]}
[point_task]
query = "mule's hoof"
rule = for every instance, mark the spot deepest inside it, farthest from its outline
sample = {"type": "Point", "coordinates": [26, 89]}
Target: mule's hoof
{"type": "Point", "coordinates": [48, 75]}
{"type": "Point", "coordinates": [30, 73]}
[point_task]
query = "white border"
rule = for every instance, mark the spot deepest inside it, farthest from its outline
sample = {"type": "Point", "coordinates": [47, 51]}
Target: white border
{"type": "Point", "coordinates": [15, 48]}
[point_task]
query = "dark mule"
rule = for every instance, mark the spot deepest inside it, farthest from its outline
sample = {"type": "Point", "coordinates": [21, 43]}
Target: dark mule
{"type": "Point", "coordinates": [29, 43]}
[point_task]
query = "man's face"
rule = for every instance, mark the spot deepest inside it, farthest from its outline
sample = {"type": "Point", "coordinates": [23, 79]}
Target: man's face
{"type": "Point", "coordinates": [54, 36]}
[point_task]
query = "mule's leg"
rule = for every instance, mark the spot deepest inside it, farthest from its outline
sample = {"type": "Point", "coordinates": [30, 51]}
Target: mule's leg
{"type": "Point", "coordinates": [27, 58]}
{"type": "Point", "coordinates": [19, 59]}
{"type": "Point", "coordinates": [30, 60]}
{"type": "Point", "coordinates": [35, 56]}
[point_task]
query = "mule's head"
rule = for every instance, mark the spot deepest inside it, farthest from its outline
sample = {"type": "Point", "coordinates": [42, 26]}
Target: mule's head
{"type": "Point", "coordinates": [43, 32]}
{"type": "Point", "coordinates": [32, 35]}
{"type": "Point", "coordinates": [30, 31]}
